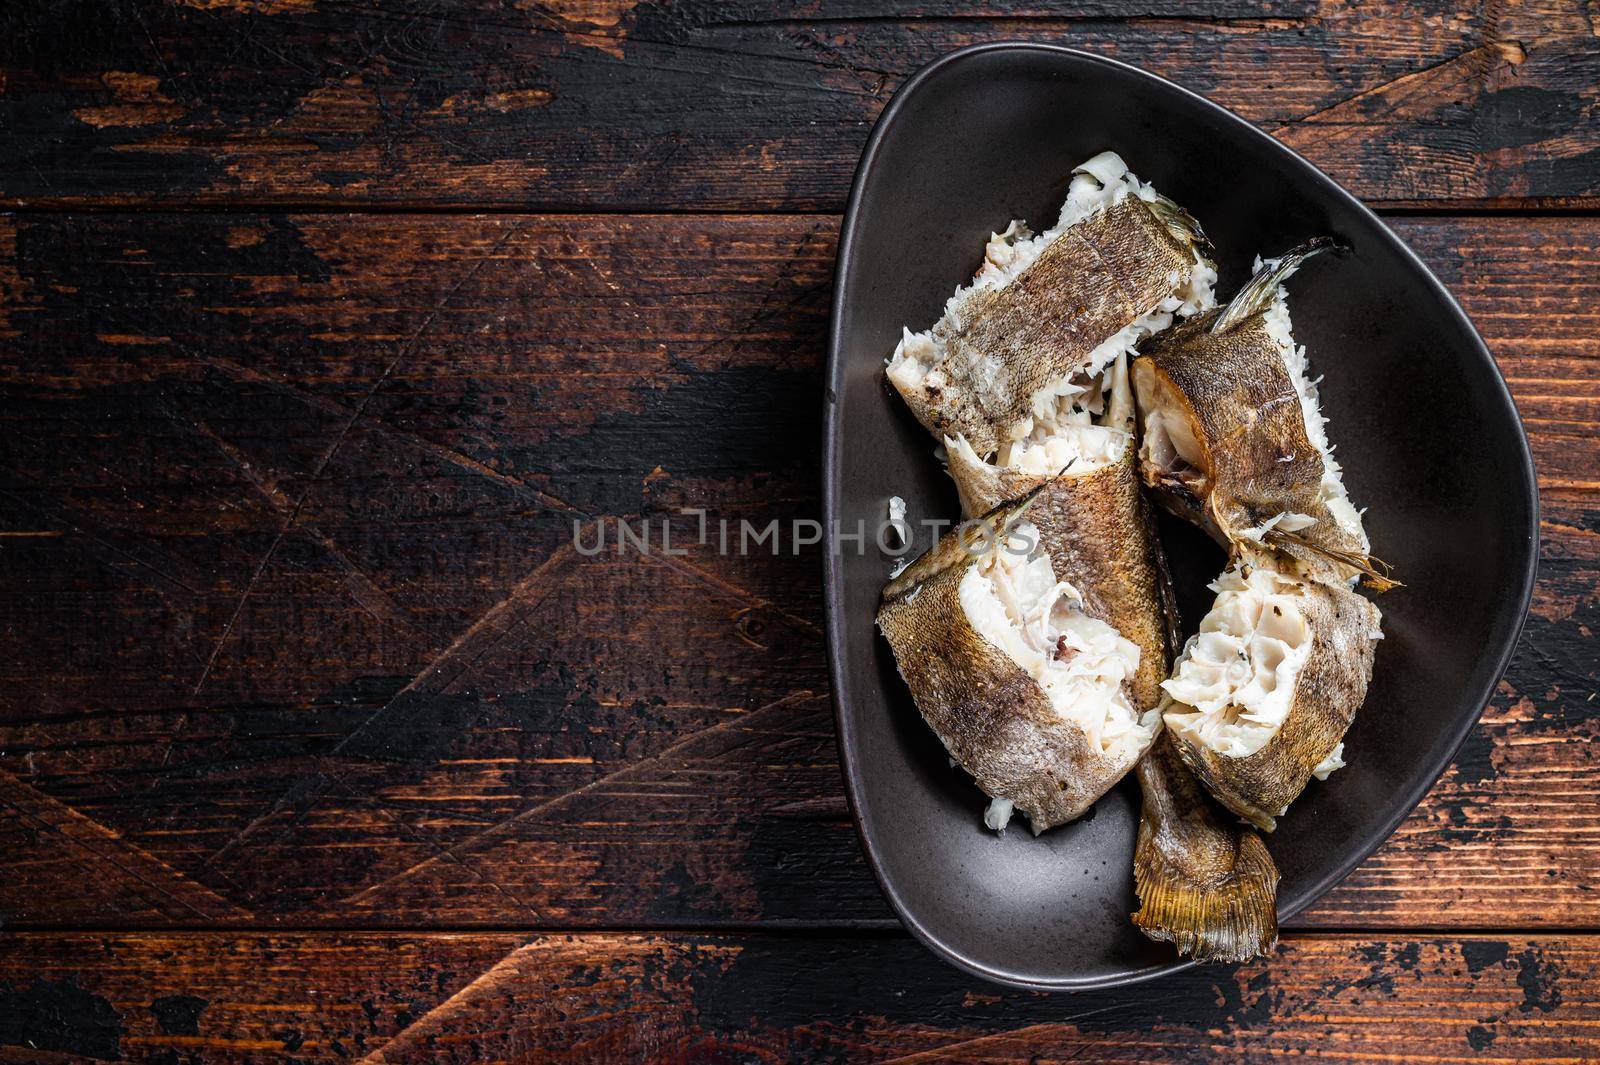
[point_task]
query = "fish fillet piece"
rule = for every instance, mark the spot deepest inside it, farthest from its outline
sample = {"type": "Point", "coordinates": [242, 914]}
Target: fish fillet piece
{"type": "Point", "coordinates": [1233, 440]}
{"type": "Point", "coordinates": [1205, 881]}
{"type": "Point", "coordinates": [1233, 437]}
{"type": "Point", "coordinates": [1117, 265]}
{"type": "Point", "coordinates": [1090, 513]}
{"type": "Point", "coordinates": [1261, 696]}
{"type": "Point", "coordinates": [1027, 691]}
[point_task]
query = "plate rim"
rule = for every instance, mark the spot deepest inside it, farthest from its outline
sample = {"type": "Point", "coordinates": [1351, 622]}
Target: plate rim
{"type": "Point", "coordinates": [1508, 628]}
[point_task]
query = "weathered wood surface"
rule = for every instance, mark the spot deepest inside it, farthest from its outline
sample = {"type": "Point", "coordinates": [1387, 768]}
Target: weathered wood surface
{"type": "Point", "coordinates": [755, 105]}
{"type": "Point", "coordinates": [498, 997]}
{"type": "Point", "coordinates": [293, 631]}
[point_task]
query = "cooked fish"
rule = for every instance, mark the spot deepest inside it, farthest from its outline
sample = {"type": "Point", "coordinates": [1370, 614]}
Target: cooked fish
{"type": "Point", "coordinates": [1206, 883]}
{"type": "Point", "coordinates": [1261, 696]}
{"type": "Point", "coordinates": [1042, 310]}
{"type": "Point", "coordinates": [1233, 438]}
{"type": "Point", "coordinates": [1027, 690]}
{"type": "Point", "coordinates": [1091, 516]}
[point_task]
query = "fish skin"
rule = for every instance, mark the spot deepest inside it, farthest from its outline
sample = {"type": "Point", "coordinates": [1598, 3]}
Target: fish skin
{"type": "Point", "coordinates": [1102, 274]}
{"type": "Point", "coordinates": [1205, 882]}
{"type": "Point", "coordinates": [1329, 689]}
{"type": "Point", "coordinates": [1235, 392]}
{"type": "Point", "coordinates": [1242, 407]}
{"type": "Point", "coordinates": [1097, 529]}
{"type": "Point", "coordinates": [989, 712]}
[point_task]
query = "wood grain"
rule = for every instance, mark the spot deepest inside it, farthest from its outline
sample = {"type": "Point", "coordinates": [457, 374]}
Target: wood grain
{"type": "Point", "coordinates": [294, 630]}
{"type": "Point", "coordinates": [759, 105]}
{"type": "Point", "coordinates": [496, 997]}
{"type": "Point", "coordinates": [294, 635]}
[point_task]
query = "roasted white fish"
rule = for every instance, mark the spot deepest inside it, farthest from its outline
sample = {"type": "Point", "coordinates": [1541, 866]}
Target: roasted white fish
{"type": "Point", "coordinates": [1027, 690]}
{"type": "Point", "coordinates": [1045, 309]}
{"type": "Point", "coordinates": [1262, 695]}
{"type": "Point", "coordinates": [1091, 517]}
{"type": "Point", "coordinates": [1234, 440]}
{"type": "Point", "coordinates": [1205, 881]}
{"type": "Point", "coordinates": [1233, 437]}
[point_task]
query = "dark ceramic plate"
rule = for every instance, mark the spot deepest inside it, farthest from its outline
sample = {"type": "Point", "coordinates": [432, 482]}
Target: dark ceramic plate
{"type": "Point", "coordinates": [1428, 435]}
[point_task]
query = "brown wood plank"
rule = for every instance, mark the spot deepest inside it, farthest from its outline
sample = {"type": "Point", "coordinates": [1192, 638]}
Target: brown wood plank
{"type": "Point", "coordinates": [699, 104]}
{"type": "Point", "coordinates": [219, 998]}
{"type": "Point", "coordinates": [215, 998]}
{"type": "Point", "coordinates": [293, 630]}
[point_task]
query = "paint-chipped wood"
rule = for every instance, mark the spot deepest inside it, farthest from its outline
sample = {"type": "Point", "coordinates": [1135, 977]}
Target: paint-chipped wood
{"type": "Point", "coordinates": [699, 104]}
{"type": "Point", "coordinates": [223, 998]}
{"type": "Point", "coordinates": [294, 633]}
{"type": "Point", "coordinates": [294, 628]}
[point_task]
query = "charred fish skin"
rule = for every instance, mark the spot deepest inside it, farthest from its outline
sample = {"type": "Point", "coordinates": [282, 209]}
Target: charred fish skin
{"type": "Point", "coordinates": [1205, 883]}
{"type": "Point", "coordinates": [1002, 344]}
{"type": "Point", "coordinates": [1328, 688]}
{"type": "Point", "coordinates": [992, 715]}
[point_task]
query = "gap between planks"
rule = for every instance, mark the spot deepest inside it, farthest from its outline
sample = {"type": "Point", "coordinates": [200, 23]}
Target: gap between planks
{"type": "Point", "coordinates": [881, 928]}
{"type": "Point", "coordinates": [1582, 209]}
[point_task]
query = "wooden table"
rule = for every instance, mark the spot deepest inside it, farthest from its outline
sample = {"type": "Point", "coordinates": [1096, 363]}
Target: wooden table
{"type": "Point", "coordinates": [319, 326]}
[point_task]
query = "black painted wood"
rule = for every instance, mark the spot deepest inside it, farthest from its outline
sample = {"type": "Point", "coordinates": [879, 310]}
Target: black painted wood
{"type": "Point", "coordinates": [294, 630]}
{"type": "Point", "coordinates": [288, 636]}
{"type": "Point", "coordinates": [701, 104]}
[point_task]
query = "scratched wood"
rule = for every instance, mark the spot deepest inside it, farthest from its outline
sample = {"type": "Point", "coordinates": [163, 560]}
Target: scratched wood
{"type": "Point", "coordinates": [498, 997]}
{"type": "Point", "coordinates": [294, 630]}
{"type": "Point", "coordinates": [587, 103]}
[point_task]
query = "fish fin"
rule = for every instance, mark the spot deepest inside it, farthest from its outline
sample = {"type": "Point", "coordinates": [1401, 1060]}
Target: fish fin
{"type": "Point", "coordinates": [972, 537]}
{"type": "Point", "coordinates": [1119, 408]}
{"type": "Point", "coordinates": [1205, 881]}
{"type": "Point", "coordinates": [1375, 572]}
{"type": "Point", "coordinates": [1182, 225]}
{"type": "Point", "coordinates": [1233, 920]}
{"type": "Point", "coordinates": [1258, 293]}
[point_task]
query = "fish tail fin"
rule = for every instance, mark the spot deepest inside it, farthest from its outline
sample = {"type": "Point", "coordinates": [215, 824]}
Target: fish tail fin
{"type": "Point", "coordinates": [1205, 881]}
{"type": "Point", "coordinates": [1258, 293]}
{"type": "Point", "coordinates": [1375, 572]}
{"type": "Point", "coordinates": [1234, 919]}
{"type": "Point", "coordinates": [1181, 224]}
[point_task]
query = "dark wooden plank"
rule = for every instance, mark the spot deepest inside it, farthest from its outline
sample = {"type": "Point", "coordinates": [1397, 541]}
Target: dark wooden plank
{"type": "Point", "coordinates": [212, 998]}
{"type": "Point", "coordinates": [334, 545]}
{"type": "Point", "coordinates": [293, 630]}
{"type": "Point", "coordinates": [577, 103]}
{"type": "Point", "coordinates": [216, 998]}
